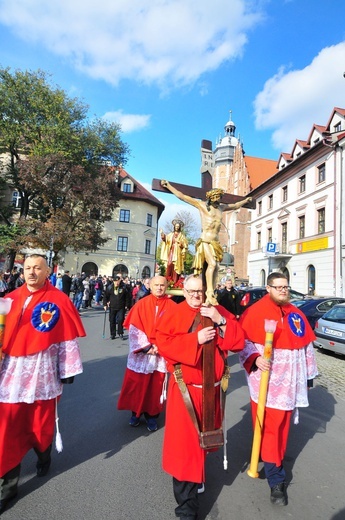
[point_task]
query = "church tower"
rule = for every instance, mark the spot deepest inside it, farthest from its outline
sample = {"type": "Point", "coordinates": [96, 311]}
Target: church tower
{"type": "Point", "coordinates": [227, 166]}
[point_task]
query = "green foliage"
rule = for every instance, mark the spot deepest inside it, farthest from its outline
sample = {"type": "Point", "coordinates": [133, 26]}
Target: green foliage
{"type": "Point", "coordinates": [61, 164]}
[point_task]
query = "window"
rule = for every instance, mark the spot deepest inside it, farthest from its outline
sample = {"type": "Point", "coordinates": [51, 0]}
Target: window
{"type": "Point", "coordinates": [302, 184]}
{"type": "Point", "coordinates": [258, 240]}
{"type": "Point", "coordinates": [149, 220]}
{"type": "Point", "coordinates": [321, 220]}
{"type": "Point", "coordinates": [284, 194]}
{"type": "Point", "coordinates": [126, 187]}
{"type": "Point", "coordinates": [16, 199]}
{"type": "Point", "coordinates": [301, 222]}
{"type": "Point", "coordinates": [124, 215]}
{"type": "Point", "coordinates": [269, 235]}
{"type": "Point", "coordinates": [122, 243]}
{"type": "Point", "coordinates": [284, 237]}
{"type": "Point", "coordinates": [270, 201]}
{"type": "Point", "coordinates": [321, 173]}
{"type": "Point", "coordinates": [337, 127]}
{"type": "Point", "coordinates": [147, 247]}
{"type": "Point", "coordinates": [146, 272]}
{"type": "Point", "coordinates": [260, 207]}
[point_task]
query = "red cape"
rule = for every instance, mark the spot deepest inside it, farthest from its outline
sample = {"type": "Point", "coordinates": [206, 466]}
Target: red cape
{"type": "Point", "coordinates": [143, 315]}
{"type": "Point", "coordinates": [49, 318]}
{"type": "Point", "coordinates": [293, 330]}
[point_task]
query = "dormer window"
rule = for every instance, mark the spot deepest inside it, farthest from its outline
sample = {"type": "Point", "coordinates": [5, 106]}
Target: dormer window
{"type": "Point", "coordinates": [127, 187]}
{"type": "Point", "coordinates": [337, 127]}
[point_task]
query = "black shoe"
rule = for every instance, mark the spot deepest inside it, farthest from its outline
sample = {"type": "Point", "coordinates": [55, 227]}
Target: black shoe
{"type": "Point", "coordinates": [113, 337]}
{"type": "Point", "coordinates": [278, 494]}
{"type": "Point", "coordinates": [121, 336]}
{"type": "Point", "coordinates": [43, 468]}
{"type": "Point", "coordinates": [5, 501]}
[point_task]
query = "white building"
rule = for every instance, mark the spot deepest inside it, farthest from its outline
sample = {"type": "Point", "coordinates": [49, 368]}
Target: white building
{"type": "Point", "coordinates": [133, 236]}
{"type": "Point", "coordinates": [298, 225]}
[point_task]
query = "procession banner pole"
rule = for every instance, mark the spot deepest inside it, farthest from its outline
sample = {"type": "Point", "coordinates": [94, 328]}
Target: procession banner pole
{"type": "Point", "coordinates": [270, 327]}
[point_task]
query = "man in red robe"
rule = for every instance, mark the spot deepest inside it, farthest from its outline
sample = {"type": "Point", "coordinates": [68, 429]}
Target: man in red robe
{"type": "Point", "coordinates": [143, 385]}
{"type": "Point", "coordinates": [292, 369]}
{"type": "Point", "coordinates": [40, 353]}
{"type": "Point", "coordinates": [179, 343]}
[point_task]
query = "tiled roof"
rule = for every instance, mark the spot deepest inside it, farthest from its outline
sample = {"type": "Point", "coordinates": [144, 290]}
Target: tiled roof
{"type": "Point", "coordinates": [259, 170]}
{"type": "Point", "coordinates": [338, 110]}
{"type": "Point", "coordinates": [140, 193]}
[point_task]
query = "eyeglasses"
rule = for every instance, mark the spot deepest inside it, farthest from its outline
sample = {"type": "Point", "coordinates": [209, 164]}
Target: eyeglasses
{"type": "Point", "coordinates": [280, 288]}
{"type": "Point", "coordinates": [196, 292]}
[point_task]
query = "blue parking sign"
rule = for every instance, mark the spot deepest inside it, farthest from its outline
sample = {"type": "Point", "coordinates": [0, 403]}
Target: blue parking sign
{"type": "Point", "coordinates": [271, 248]}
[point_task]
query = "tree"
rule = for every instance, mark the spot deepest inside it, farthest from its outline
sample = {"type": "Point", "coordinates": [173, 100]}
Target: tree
{"type": "Point", "coordinates": [61, 164]}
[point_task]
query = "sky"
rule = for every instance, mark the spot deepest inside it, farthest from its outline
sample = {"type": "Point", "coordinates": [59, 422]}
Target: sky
{"type": "Point", "coordinates": [173, 72]}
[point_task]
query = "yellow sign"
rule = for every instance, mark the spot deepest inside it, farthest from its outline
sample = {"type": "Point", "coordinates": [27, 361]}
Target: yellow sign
{"type": "Point", "coordinates": [312, 245]}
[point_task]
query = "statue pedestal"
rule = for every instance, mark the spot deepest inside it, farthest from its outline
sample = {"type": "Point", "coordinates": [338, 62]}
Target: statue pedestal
{"type": "Point", "coordinates": [175, 294]}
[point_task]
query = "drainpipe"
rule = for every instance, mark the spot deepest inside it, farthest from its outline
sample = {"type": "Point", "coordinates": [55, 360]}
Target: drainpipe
{"type": "Point", "coordinates": [333, 146]}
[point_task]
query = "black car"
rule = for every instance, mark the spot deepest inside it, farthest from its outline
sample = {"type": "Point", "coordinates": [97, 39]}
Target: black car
{"type": "Point", "coordinates": [250, 295]}
{"type": "Point", "coordinates": [314, 308]}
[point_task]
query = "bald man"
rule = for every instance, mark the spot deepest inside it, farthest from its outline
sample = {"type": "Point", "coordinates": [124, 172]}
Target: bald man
{"type": "Point", "coordinates": [142, 388]}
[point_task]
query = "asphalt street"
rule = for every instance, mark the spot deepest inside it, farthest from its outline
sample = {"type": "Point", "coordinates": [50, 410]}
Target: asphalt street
{"type": "Point", "coordinates": [108, 470]}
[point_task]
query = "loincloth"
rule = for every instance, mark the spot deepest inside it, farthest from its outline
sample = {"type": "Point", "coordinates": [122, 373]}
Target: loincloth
{"type": "Point", "coordinates": [200, 258]}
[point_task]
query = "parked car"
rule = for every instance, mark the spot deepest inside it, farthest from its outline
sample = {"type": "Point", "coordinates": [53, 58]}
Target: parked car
{"type": "Point", "coordinates": [313, 308]}
{"type": "Point", "coordinates": [330, 330]}
{"type": "Point", "coordinates": [250, 295]}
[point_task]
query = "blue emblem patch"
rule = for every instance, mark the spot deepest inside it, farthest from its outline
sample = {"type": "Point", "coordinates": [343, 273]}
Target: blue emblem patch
{"type": "Point", "coordinates": [45, 316]}
{"type": "Point", "coordinates": [296, 324]}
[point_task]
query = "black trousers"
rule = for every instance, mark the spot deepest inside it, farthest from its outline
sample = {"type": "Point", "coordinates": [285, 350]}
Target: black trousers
{"type": "Point", "coordinates": [9, 481]}
{"type": "Point", "coordinates": [186, 495]}
{"type": "Point", "coordinates": [116, 316]}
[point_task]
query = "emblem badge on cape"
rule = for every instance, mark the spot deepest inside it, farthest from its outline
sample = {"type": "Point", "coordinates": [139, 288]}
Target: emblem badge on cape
{"type": "Point", "coordinates": [45, 316]}
{"type": "Point", "coordinates": [296, 324]}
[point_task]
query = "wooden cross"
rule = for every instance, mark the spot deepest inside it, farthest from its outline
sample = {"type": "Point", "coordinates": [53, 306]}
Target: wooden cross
{"type": "Point", "coordinates": [208, 388]}
{"type": "Point", "coordinates": [200, 193]}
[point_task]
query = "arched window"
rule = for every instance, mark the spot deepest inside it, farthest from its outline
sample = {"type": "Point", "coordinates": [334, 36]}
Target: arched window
{"type": "Point", "coordinates": [286, 273]}
{"type": "Point", "coordinates": [263, 277]}
{"type": "Point", "coordinates": [146, 272]}
{"type": "Point", "coordinates": [311, 279]}
{"type": "Point", "coordinates": [90, 268]}
{"type": "Point", "coordinates": [120, 269]}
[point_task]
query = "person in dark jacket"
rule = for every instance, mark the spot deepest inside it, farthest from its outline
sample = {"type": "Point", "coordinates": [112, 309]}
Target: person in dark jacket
{"type": "Point", "coordinates": [66, 283]}
{"type": "Point", "coordinates": [144, 290]}
{"type": "Point", "coordinates": [117, 298]}
{"type": "Point", "coordinates": [230, 299]}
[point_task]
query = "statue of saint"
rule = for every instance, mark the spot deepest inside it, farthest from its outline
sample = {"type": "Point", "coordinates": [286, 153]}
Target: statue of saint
{"type": "Point", "coordinates": [208, 249]}
{"type": "Point", "coordinates": [173, 251]}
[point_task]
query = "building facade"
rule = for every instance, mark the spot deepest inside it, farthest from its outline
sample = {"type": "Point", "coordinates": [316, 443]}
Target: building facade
{"type": "Point", "coordinates": [237, 174]}
{"type": "Point", "coordinates": [298, 225]}
{"type": "Point", "coordinates": [132, 234]}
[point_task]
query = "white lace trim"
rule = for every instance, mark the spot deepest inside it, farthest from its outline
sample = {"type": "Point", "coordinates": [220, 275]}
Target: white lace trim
{"type": "Point", "coordinates": [290, 370]}
{"type": "Point", "coordinates": [139, 362]}
{"type": "Point", "coordinates": [26, 379]}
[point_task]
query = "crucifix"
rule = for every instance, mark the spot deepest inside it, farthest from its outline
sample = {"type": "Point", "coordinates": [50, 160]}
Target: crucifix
{"type": "Point", "coordinates": [207, 257]}
{"type": "Point", "coordinates": [211, 203]}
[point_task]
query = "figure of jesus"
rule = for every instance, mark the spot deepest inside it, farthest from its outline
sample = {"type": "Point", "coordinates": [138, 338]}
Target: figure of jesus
{"type": "Point", "coordinates": [208, 248]}
{"type": "Point", "coordinates": [173, 251]}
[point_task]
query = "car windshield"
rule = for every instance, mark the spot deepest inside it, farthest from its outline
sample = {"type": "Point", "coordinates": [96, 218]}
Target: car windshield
{"type": "Point", "coordinates": [299, 303]}
{"type": "Point", "coordinates": [337, 314]}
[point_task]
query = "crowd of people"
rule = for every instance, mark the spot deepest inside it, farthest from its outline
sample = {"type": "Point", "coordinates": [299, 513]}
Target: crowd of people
{"type": "Point", "coordinates": [169, 344]}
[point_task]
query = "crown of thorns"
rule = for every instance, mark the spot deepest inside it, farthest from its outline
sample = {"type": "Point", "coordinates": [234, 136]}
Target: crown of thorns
{"type": "Point", "coordinates": [214, 194]}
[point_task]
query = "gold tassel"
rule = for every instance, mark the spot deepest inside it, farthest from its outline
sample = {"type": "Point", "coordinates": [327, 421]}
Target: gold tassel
{"type": "Point", "coordinates": [225, 379]}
